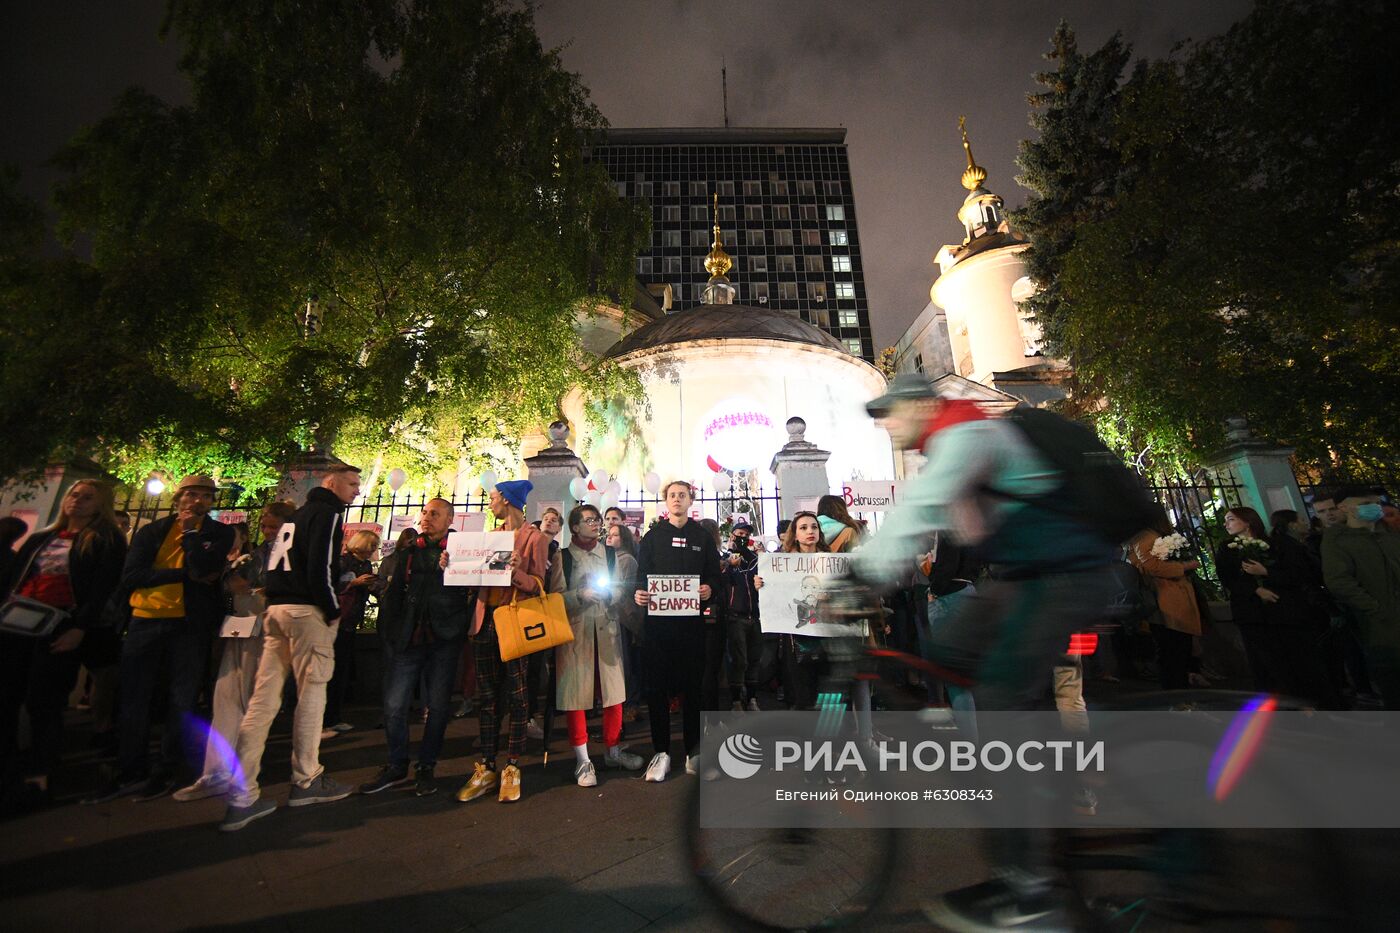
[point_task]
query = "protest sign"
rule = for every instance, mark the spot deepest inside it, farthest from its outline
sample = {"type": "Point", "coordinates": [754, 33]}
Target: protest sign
{"type": "Point", "coordinates": [397, 523]}
{"type": "Point", "coordinates": [871, 495]}
{"type": "Point", "coordinates": [468, 521]}
{"type": "Point", "coordinates": [478, 558]}
{"type": "Point", "coordinates": [350, 529]}
{"type": "Point", "coordinates": [792, 583]}
{"type": "Point", "coordinates": [673, 594]}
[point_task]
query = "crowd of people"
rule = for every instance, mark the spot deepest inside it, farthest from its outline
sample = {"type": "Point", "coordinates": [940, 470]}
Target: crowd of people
{"type": "Point", "coordinates": [188, 618]}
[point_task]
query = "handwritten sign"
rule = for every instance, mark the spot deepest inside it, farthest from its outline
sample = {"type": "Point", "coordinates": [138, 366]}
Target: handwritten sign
{"type": "Point", "coordinates": [792, 583]}
{"type": "Point", "coordinates": [673, 594]}
{"type": "Point", "coordinates": [231, 516]}
{"type": "Point", "coordinates": [871, 495]}
{"type": "Point", "coordinates": [350, 529]}
{"type": "Point", "coordinates": [397, 523]}
{"type": "Point", "coordinates": [478, 558]}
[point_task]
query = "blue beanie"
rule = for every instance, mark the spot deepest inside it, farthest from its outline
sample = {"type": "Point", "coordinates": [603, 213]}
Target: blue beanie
{"type": "Point", "coordinates": [515, 491]}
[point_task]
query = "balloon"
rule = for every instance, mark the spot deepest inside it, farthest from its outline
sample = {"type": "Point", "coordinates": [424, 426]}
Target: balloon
{"type": "Point", "coordinates": [652, 482]}
{"type": "Point", "coordinates": [397, 478]}
{"type": "Point", "coordinates": [593, 499]}
{"type": "Point", "coordinates": [720, 481]}
{"type": "Point", "coordinates": [578, 488]}
{"type": "Point", "coordinates": [609, 501]}
{"type": "Point", "coordinates": [772, 544]}
{"type": "Point", "coordinates": [488, 480]}
{"type": "Point", "coordinates": [614, 487]}
{"type": "Point", "coordinates": [599, 478]}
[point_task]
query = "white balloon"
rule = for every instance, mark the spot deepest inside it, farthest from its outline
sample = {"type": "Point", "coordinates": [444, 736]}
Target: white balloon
{"type": "Point", "coordinates": [488, 480]}
{"type": "Point", "coordinates": [608, 501]}
{"type": "Point", "coordinates": [578, 488]}
{"type": "Point", "coordinates": [599, 478]}
{"type": "Point", "coordinates": [613, 487]}
{"type": "Point", "coordinates": [397, 478]}
{"type": "Point", "coordinates": [720, 482]}
{"type": "Point", "coordinates": [593, 499]}
{"type": "Point", "coordinates": [652, 482]}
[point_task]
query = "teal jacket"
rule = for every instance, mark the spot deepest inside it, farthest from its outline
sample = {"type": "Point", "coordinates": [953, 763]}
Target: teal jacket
{"type": "Point", "coordinates": [954, 493]}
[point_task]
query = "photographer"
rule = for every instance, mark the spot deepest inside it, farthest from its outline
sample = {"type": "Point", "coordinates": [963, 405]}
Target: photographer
{"type": "Point", "coordinates": [741, 613]}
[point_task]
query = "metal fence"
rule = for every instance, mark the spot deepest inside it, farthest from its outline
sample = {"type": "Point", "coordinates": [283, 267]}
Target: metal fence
{"type": "Point", "coordinates": [1196, 506]}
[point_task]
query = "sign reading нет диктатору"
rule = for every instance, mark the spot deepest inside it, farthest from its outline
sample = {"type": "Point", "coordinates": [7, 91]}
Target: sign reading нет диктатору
{"type": "Point", "coordinates": [673, 594]}
{"type": "Point", "coordinates": [792, 590]}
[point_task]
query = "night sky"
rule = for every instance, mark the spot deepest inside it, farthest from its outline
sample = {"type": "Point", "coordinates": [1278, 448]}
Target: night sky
{"type": "Point", "coordinates": [895, 74]}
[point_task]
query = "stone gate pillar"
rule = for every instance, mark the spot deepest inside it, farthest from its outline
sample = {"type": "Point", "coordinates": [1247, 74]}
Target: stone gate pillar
{"type": "Point", "coordinates": [551, 471]}
{"type": "Point", "coordinates": [1265, 470]}
{"type": "Point", "coordinates": [800, 467]}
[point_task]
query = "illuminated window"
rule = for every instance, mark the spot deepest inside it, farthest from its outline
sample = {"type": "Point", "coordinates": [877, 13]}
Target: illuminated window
{"type": "Point", "coordinates": [835, 212]}
{"type": "Point", "coordinates": [840, 263]}
{"type": "Point", "coordinates": [845, 291]}
{"type": "Point", "coordinates": [816, 291]}
{"type": "Point", "coordinates": [853, 344]}
{"type": "Point", "coordinates": [838, 238]}
{"type": "Point", "coordinates": [849, 319]}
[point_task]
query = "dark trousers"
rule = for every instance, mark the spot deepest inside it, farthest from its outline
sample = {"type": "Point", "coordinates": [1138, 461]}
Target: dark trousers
{"type": "Point", "coordinates": [342, 678]}
{"type": "Point", "coordinates": [499, 684]}
{"type": "Point", "coordinates": [1173, 657]}
{"type": "Point", "coordinates": [180, 649]}
{"type": "Point", "coordinates": [745, 656]}
{"type": "Point", "coordinates": [1289, 659]}
{"type": "Point", "coordinates": [33, 677]}
{"type": "Point", "coordinates": [436, 663]}
{"type": "Point", "coordinates": [539, 674]}
{"type": "Point", "coordinates": [715, 638]}
{"type": "Point", "coordinates": [1383, 664]}
{"type": "Point", "coordinates": [674, 657]}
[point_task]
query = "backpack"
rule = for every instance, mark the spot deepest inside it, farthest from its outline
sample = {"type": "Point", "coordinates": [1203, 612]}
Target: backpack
{"type": "Point", "coordinates": [569, 563]}
{"type": "Point", "coordinates": [1095, 489]}
{"type": "Point", "coordinates": [1134, 596]}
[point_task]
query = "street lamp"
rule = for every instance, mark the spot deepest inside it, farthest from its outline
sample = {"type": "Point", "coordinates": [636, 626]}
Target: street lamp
{"type": "Point", "coordinates": [154, 485]}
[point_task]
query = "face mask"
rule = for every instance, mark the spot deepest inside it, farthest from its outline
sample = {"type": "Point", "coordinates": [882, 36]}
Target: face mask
{"type": "Point", "coordinates": [1370, 512]}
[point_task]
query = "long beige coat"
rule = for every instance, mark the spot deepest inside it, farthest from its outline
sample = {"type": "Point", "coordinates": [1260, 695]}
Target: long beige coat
{"type": "Point", "coordinates": [1176, 597]}
{"type": "Point", "coordinates": [597, 631]}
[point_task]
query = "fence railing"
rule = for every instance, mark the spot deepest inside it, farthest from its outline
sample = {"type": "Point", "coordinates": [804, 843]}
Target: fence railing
{"type": "Point", "coordinates": [1196, 506]}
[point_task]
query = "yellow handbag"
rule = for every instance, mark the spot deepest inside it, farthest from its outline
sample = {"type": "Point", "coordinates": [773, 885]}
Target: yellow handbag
{"type": "Point", "coordinates": [526, 626]}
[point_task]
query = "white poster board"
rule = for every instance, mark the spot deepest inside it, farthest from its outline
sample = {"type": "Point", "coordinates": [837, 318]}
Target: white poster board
{"type": "Point", "coordinates": [468, 521]}
{"type": "Point", "coordinates": [397, 523]}
{"type": "Point", "coordinates": [871, 495]}
{"type": "Point", "coordinates": [478, 558]}
{"type": "Point", "coordinates": [673, 594]}
{"type": "Point", "coordinates": [787, 603]}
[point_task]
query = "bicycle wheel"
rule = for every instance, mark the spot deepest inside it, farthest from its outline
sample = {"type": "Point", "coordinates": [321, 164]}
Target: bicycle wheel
{"type": "Point", "coordinates": [790, 879]}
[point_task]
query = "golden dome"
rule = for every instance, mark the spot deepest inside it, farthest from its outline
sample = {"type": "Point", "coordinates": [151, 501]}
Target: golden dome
{"type": "Point", "coordinates": [718, 263]}
{"type": "Point", "coordinates": [974, 174]}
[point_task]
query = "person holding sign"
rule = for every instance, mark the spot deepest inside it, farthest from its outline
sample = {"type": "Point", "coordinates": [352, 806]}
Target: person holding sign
{"type": "Point", "coordinates": [422, 624]}
{"type": "Point", "coordinates": [678, 564]}
{"type": "Point", "coordinates": [529, 564]}
{"type": "Point", "coordinates": [241, 645]}
{"type": "Point", "coordinates": [803, 536]}
{"type": "Point", "coordinates": [597, 579]}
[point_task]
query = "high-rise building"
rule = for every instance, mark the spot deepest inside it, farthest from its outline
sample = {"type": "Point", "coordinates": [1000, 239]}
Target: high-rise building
{"type": "Point", "coordinates": [786, 211]}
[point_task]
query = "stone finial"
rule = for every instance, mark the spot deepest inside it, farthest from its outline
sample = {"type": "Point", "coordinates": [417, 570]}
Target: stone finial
{"type": "Point", "coordinates": [797, 430]}
{"type": "Point", "coordinates": [1237, 430]}
{"type": "Point", "coordinates": [559, 435]}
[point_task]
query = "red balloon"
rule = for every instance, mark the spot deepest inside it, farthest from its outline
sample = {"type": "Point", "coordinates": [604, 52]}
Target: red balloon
{"type": "Point", "coordinates": [714, 467]}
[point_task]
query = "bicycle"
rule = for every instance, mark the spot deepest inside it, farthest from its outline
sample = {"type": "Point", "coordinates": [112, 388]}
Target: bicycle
{"type": "Point", "coordinates": [1114, 880]}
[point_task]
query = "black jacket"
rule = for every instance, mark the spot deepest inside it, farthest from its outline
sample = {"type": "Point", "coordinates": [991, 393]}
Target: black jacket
{"type": "Point", "coordinates": [415, 593]}
{"type": "Point", "coordinates": [93, 575]}
{"type": "Point", "coordinates": [1246, 608]}
{"type": "Point", "coordinates": [1297, 579]}
{"type": "Point", "coordinates": [740, 594]}
{"type": "Point", "coordinates": [666, 549]}
{"type": "Point", "coordinates": [206, 553]}
{"type": "Point", "coordinates": [304, 566]}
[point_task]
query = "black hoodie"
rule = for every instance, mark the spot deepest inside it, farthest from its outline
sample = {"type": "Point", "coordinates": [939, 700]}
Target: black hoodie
{"type": "Point", "coordinates": [303, 565]}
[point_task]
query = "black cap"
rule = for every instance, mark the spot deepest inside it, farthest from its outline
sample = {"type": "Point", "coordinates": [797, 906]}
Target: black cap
{"type": "Point", "coordinates": [905, 386]}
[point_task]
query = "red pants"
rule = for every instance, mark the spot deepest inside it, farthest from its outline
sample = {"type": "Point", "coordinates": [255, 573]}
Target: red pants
{"type": "Point", "coordinates": [612, 726]}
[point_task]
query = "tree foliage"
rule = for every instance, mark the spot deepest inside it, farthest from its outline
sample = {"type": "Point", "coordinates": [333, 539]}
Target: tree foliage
{"type": "Point", "coordinates": [1217, 233]}
{"type": "Point", "coordinates": [419, 167]}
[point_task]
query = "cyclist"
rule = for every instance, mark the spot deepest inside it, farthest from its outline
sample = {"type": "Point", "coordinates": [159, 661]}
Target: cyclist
{"type": "Point", "coordinates": [988, 487]}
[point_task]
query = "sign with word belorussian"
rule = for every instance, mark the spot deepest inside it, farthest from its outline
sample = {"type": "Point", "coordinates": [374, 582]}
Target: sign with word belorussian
{"type": "Point", "coordinates": [871, 495]}
{"type": "Point", "coordinates": [673, 594]}
{"type": "Point", "coordinates": [478, 558]}
{"type": "Point", "coordinates": [792, 586]}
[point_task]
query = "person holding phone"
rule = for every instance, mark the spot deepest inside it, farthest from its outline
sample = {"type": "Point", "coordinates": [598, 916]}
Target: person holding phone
{"type": "Point", "coordinates": [357, 581]}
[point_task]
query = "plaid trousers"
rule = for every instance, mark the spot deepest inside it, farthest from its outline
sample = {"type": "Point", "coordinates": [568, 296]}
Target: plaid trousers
{"type": "Point", "coordinates": [494, 676]}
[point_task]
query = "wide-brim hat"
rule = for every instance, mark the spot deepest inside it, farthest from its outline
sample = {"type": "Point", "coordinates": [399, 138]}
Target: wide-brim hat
{"type": "Point", "coordinates": [197, 481]}
{"type": "Point", "coordinates": [905, 387]}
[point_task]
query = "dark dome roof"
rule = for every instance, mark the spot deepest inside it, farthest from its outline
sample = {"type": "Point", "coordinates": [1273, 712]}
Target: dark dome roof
{"type": "Point", "coordinates": [720, 321]}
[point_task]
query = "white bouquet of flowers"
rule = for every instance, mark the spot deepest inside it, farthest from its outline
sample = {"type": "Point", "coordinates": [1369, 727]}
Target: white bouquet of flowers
{"type": "Point", "coordinates": [1251, 548]}
{"type": "Point", "coordinates": [1172, 547]}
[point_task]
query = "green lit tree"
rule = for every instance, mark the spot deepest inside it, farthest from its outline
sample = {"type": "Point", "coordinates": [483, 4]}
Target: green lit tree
{"type": "Point", "coordinates": [414, 172]}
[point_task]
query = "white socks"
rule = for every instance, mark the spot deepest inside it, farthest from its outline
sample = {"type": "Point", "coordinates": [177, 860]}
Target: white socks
{"type": "Point", "coordinates": [581, 752]}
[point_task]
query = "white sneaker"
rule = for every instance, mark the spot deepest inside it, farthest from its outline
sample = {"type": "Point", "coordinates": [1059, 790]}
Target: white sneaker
{"type": "Point", "coordinates": [617, 758]}
{"type": "Point", "coordinates": [658, 769]}
{"type": "Point", "coordinates": [208, 785]}
{"type": "Point", "coordinates": [584, 775]}
{"type": "Point", "coordinates": [533, 729]}
{"type": "Point", "coordinates": [689, 765]}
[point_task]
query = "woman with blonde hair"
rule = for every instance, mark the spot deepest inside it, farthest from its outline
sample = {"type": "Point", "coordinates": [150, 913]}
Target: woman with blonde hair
{"type": "Point", "coordinates": [357, 581]}
{"type": "Point", "coordinates": [75, 566]}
